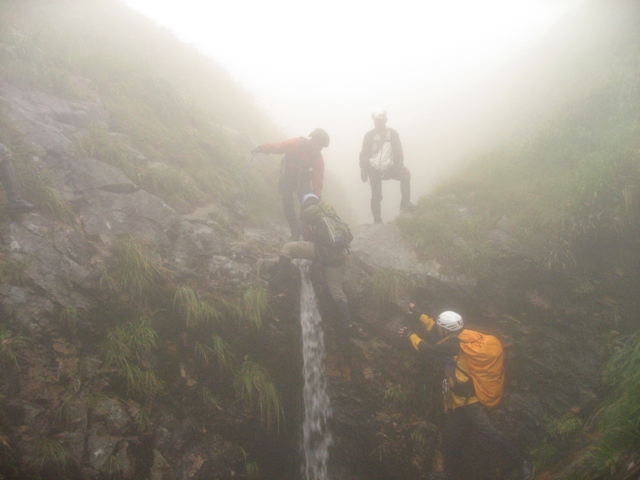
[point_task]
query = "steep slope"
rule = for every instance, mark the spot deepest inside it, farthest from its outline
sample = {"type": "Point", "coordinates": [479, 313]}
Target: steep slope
{"type": "Point", "coordinates": [138, 338]}
{"type": "Point", "coordinates": [169, 103]}
{"type": "Point", "coordinates": [548, 225]}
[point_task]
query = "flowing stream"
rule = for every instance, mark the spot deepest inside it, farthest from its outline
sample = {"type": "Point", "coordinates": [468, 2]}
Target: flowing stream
{"type": "Point", "coordinates": [317, 409]}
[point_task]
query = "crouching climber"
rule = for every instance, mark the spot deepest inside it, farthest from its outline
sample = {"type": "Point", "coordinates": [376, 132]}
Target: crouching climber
{"type": "Point", "coordinates": [15, 203]}
{"type": "Point", "coordinates": [474, 380]}
{"type": "Point", "coordinates": [326, 242]}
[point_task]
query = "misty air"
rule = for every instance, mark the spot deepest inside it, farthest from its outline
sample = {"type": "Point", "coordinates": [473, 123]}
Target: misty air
{"type": "Point", "coordinates": [329, 241]}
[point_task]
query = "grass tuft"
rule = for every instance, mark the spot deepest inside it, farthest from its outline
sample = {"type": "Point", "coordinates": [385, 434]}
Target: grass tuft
{"type": "Point", "coordinates": [42, 192]}
{"type": "Point", "coordinates": [194, 310]}
{"type": "Point", "coordinates": [255, 387]}
{"type": "Point", "coordinates": [255, 305]}
{"type": "Point", "coordinates": [12, 346]}
{"type": "Point", "coordinates": [51, 453]}
{"type": "Point", "coordinates": [127, 349]}
{"type": "Point", "coordinates": [559, 433]}
{"type": "Point", "coordinates": [14, 270]}
{"type": "Point", "coordinates": [395, 395]}
{"type": "Point", "coordinates": [617, 421]}
{"type": "Point", "coordinates": [70, 317]}
{"type": "Point", "coordinates": [387, 285]}
{"type": "Point", "coordinates": [252, 470]}
{"type": "Point", "coordinates": [130, 272]}
{"type": "Point", "coordinates": [143, 420]}
{"type": "Point", "coordinates": [216, 350]}
{"type": "Point", "coordinates": [209, 400]}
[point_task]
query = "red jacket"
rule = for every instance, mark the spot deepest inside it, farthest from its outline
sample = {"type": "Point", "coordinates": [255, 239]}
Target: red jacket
{"type": "Point", "coordinates": [299, 159]}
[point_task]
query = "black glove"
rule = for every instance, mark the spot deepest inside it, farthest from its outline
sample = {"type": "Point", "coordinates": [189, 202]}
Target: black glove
{"type": "Point", "coordinates": [412, 313]}
{"type": "Point", "coordinates": [363, 175]}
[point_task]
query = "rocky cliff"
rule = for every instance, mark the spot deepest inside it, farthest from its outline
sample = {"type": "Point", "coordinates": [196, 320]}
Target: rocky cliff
{"type": "Point", "coordinates": [108, 372]}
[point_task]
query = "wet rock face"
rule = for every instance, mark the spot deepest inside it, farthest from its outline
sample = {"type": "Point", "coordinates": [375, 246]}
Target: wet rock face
{"type": "Point", "coordinates": [62, 408]}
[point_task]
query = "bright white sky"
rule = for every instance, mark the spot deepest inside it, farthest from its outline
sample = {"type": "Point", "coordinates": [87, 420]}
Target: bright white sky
{"type": "Point", "coordinates": [328, 63]}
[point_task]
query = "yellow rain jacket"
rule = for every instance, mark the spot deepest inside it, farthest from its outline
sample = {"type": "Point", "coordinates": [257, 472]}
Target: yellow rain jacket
{"type": "Point", "coordinates": [457, 387]}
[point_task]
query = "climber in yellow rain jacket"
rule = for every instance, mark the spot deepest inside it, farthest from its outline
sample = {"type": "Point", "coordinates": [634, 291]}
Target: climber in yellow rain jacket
{"type": "Point", "coordinates": [445, 341]}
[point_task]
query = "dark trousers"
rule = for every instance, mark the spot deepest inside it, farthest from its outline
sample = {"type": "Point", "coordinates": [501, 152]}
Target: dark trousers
{"type": "Point", "coordinates": [459, 423]}
{"type": "Point", "coordinates": [292, 186]}
{"type": "Point", "coordinates": [392, 173]}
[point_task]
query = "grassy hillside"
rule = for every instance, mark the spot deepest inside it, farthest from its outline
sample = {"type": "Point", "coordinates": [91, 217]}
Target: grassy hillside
{"type": "Point", "coordinates": [573, 177]}
{"type": "Point", "coordinates": [564, 200]}
{"type": "Point", "coordinates": [173, 123]}
{"type": "Point", "coordinates": [173, 104]}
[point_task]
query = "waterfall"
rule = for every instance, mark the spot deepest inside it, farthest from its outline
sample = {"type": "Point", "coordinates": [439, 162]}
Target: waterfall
{"type": "Point", "coordinates": [317, 410]}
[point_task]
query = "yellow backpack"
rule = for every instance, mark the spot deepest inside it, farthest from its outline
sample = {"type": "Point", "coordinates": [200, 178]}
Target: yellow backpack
{"type": "Point", "coordinates": [485, 361]}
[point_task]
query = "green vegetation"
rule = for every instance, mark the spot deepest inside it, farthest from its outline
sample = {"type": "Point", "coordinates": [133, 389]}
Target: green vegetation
{"type": "Point", "coordinates": [418, 437]}
{"type": "Point", "coordinates": [179, 127]}
{"type": "Point", "coordinates": [143, 419]}
{"type": "Point", "coordinates": [255, 305]}
{"type": "Point", "coordinates": [560, 432]}
{"type": "Point", "coordinates": [116, 468]}
{"type": "Point", "coordinates": [192, 308]}
{"type": "Point", "coordinates": [82, 393]}
{"type": "Point", "coordinates": [35, 182]}
{"type": "Point", "coordinates": [168, 183]}
{"type": "Point", "coordinates": [617, 421]}
{"type": "Point", "coordinates": [14, 270]}
{"type": "Point", "coordinates": [252, 470]}
{"type": "Point", "coordinates": [130, 272]}
{"type": "Point", "coordinates": [563, 427]}
{"type": "Point", "coordinates": [614, 427]}
{"type": "Point", "coordinates": [127, 349]}
{"type": "Point", "coordinates": [216, 349]}
{"type": "Point", "coordinates": [395, 395]}
{"type": "Point", "coordinates": [48, 200]}
{"type": "Point", "coordinates": [51, 453]}
{"type": "Point", "coordinates": [388, 285]}
{"type": "Point", "coordinates": [561, 200]}
{"type": "Point", "coordinates": [209, 400]}
{"type": "Point", "coordinates": [255, 387]}
{"type": "Point", "coordinates": [130, 345]}
{"type": "Point", "coordinates": [70, 317]}
{"type": "Point", "coordinates": [164, 108]}
{"type": "Point", "coordinates": [130, 342]}
{"type": "Point", "coordinates": [12, 346]}
{"type": "Point", "coordinates": [572, 181]}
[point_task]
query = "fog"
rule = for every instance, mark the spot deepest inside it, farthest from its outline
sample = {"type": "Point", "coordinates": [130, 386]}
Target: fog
{"type": "Point", "coordinates": [455, 77]}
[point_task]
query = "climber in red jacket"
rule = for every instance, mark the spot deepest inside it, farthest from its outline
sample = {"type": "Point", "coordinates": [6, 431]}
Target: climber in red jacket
{"type": "Point", "coordinates": [302, 171]}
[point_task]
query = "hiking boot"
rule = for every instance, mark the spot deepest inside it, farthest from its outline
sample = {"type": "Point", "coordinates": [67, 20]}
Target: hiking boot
{"type": "Point", "coordinates": [377, 219]}
{"type": "Point", "coordinates": [443, 475]}
{"type": "Point", "coordinates": [408, 207]}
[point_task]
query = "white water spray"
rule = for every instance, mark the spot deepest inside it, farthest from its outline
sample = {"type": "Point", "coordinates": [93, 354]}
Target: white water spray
{"type": "Point", "coordinates": [317, 409]}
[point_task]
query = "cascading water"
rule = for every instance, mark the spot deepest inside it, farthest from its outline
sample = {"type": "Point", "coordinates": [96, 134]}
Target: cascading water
{"type": "Point", "coordinates": [317, 409]}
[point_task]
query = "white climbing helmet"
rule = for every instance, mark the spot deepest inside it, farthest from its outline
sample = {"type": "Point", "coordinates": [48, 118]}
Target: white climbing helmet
{"type": "Point", "coordinates": [450, 321]}
{"type": "Point", "coordinates": [379, 113]}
